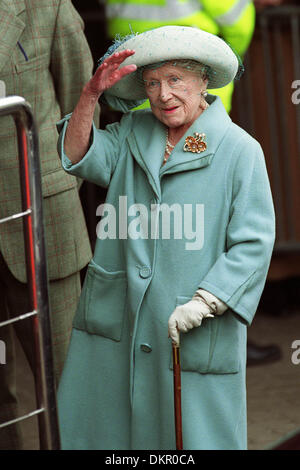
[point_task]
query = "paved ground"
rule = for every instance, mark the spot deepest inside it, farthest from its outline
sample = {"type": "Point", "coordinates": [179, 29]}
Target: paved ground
{"type": "Point", "coordinates": [273, 389]}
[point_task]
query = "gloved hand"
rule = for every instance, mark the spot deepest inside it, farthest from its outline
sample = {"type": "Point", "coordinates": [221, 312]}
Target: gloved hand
{"type": "Point", "coordinates": [190, 315]}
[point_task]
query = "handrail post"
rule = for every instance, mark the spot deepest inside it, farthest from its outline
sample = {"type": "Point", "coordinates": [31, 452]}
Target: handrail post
{"type": "Point", "coordinates": [36, 266]}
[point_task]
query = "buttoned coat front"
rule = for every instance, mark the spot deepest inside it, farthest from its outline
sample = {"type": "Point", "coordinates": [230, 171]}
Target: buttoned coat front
{"type": "Point", "coordinates": [116, 390]}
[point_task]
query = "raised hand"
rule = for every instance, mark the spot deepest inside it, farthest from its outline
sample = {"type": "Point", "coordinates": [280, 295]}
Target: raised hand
{"type": "Point", "coordinates": [109, 73]}
{"type": "Point", "coordinates": [77, 138]}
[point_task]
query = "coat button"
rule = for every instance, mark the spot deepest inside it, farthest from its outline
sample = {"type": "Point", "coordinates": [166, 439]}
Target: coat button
{"type": "Point", "coordinates": [146, 348]}
{"type": "Point", "coordinates": [145, 272]}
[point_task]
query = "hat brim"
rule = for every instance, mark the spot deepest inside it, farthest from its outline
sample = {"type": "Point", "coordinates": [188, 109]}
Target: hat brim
{"type": "Point", "coordinates": [175, 42]}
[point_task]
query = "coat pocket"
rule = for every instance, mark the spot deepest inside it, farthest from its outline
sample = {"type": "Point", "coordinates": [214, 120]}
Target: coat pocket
{"type": "Point", "coordinates": [32, 64]}
{"type": "Point", "coordinates": [102, 306]}
{"type": "Point", "coordinates": [56, 182]}
{"type": "Point", "coordinates": [214, 347]}
{"type": "Point", "coordinates": [228, 344]}
{"type": "Point", "coordinates": [195, 344]}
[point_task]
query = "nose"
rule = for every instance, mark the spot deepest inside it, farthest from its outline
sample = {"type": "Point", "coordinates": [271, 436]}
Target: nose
{"type": "Point", "coordinates": [165, 91]}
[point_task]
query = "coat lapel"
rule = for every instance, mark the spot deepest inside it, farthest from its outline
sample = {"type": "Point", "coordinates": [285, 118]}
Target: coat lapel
{"type": "Point", "coordinates": [147, 143]}
{"type": "Point", "coordinates": [148, 139]}
{"type": "Point", "coordinates": [18, 6]}
{"type": "Point", "coordinates": [213, 123]}
{"type": "Point", "coordinates": [11, 29]}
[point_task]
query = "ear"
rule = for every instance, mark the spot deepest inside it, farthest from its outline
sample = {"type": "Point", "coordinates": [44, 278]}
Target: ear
{"type": "Point", "coordinates": [205, 82]}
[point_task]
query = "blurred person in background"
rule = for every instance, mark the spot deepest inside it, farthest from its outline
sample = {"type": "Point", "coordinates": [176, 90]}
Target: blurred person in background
{"type": "Point", "coordinates": [46, 59]}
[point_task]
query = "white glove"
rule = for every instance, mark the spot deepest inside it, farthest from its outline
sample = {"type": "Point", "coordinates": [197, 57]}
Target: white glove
{"type": "Point", "coordinates": [190, 315]}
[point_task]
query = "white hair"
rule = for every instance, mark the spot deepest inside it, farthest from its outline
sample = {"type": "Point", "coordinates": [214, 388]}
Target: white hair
{"type": "Point", "coordinates": [188, 64]}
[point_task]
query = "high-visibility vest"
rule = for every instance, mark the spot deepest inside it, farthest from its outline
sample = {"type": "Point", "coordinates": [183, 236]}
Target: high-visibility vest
{"type": "Point", "coordinates": [233, 20]}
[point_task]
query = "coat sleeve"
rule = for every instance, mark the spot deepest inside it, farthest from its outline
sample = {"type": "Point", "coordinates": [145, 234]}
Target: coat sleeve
{"type": "Point", "coordinates": [99, 163]}
{"type": "Point", "coordinates": [238, 275]}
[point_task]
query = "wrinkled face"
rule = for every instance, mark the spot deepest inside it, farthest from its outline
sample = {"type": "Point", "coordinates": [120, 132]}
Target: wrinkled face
{"type": "Point", "coordinates": [174, 94]}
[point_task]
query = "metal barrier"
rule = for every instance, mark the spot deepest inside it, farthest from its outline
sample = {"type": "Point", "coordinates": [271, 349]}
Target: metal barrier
{"type": "Point", "coordinates": [37, 280]}
{"type": "Point", "coordinates": [264, 107]}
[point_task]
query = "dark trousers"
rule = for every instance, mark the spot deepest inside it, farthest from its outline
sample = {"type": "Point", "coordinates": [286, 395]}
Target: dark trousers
{"type": "Point", "coordinates": [14, 301]}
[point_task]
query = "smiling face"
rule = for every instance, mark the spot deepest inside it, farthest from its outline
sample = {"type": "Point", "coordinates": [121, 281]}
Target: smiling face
{"type": "Point", "coordinates": [175, 95]}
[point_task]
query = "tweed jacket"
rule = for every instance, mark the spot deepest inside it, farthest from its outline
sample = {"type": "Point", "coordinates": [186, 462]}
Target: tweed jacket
{"type": "Point", "coordinates": [46, 59]}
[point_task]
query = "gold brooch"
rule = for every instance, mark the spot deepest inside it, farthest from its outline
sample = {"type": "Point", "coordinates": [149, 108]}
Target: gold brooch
{"type": "Point", "coordinates": [195, 144]}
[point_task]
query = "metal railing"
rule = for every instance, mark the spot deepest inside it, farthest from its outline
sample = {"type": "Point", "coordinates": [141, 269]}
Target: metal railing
{"type": "Point", "coordinates": [36, 268]}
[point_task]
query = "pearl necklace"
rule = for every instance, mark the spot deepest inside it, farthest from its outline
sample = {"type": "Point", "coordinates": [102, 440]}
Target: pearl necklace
{"type": "Point", "coordinates": [168, 148]}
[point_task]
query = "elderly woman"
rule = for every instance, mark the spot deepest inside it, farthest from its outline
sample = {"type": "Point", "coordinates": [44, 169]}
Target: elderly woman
{"type": "Point", "coordinates": [184, 245]}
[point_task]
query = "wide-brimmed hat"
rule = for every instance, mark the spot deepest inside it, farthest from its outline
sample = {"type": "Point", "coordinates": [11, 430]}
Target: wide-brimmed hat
{"type": "Point", "coordinates": [175, 42]}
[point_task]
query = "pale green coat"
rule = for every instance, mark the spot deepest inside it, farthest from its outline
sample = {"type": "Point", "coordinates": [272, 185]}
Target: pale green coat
{"type": "Point", "coordinates": [117, 387]}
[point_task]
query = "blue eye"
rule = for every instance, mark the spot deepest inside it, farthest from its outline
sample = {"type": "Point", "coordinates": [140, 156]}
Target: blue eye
{"type": "Point", "coordinates": [152, 84]}
{"type": "Point", "coordinates": [174, 80]}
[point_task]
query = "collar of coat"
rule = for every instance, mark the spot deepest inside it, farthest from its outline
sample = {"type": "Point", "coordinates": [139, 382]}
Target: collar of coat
{"type": "Point", "coordinates": [148, 147]}
{"type": "Point", "coordinates": [11, 26]}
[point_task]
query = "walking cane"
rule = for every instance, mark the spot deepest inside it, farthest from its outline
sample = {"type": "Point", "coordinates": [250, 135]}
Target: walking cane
{"type": "Point", "coordinates": [177, 396]}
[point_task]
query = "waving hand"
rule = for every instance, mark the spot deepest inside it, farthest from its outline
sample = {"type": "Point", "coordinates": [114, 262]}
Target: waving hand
{"type": "Point", "coordinates": [77, 138]}
{"type": "Point", "coordinates": [109, 72]}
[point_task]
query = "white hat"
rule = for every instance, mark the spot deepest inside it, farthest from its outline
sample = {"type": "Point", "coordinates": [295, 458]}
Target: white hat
{"type": "Point", "coordinates": [175, 42]}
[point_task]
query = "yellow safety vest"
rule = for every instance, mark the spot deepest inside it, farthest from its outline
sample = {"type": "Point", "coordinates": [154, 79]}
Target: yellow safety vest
{"type": "Point", "coordinates": [233, 20]}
